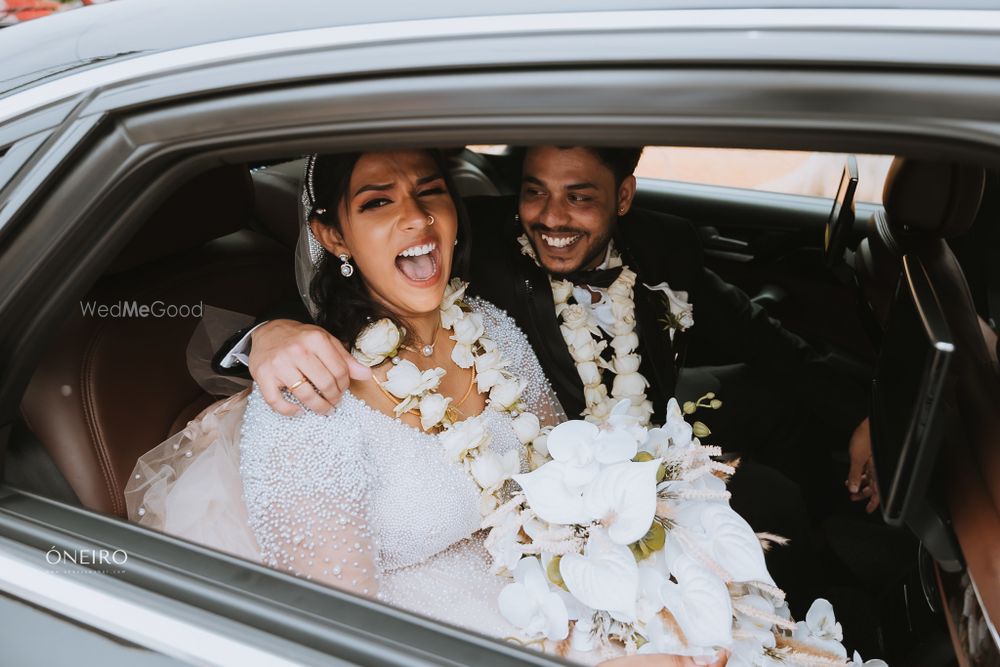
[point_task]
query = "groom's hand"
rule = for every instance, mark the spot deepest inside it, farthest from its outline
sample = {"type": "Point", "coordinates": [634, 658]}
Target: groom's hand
{"type": "Point", "coordinates": [861, 476]}
{"type": "Point", "coordinates": [307, 360]}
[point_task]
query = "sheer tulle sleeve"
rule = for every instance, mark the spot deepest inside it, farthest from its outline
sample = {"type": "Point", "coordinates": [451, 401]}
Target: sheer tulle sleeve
{"type": "Point", "coordinates": [306, 482]}
{"type": "Point", "coordinates": [538, 393]}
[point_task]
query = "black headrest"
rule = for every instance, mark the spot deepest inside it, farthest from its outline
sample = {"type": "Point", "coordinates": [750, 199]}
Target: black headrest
{"type": "Point", "coordinates": [209, 206]}
{"type": "Point", "coordinates": [938, 198]}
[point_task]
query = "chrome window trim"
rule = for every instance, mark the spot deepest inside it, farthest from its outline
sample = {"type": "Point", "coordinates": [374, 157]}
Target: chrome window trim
{"type": "Point", "coordinates": [26, 574]}
{"type": "Point", "coordinates": [750, 22]}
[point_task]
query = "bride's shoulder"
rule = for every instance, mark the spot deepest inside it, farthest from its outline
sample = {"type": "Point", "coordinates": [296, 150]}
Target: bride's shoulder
{"type": "Point", "coordinates": [497, 322]}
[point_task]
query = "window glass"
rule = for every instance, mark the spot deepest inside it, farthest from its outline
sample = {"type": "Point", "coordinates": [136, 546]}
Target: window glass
{"type": "Point", "coordinates": [789, 172]}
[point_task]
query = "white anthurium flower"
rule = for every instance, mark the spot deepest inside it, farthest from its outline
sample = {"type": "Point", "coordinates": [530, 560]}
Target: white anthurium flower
{"type": "Point", "coordinates": [526, 427]}
{"type": "Point", "coordinates": [821, 629]}
{"type": "Point", "coordinates": [589, 373]}
{"type": "Point", "coordinates": [574, 445]}
{"type": "Point", "coordinates": [505, 395]}
{"type": "Point", "coordinates": [604, 577]}
{"type": "Point", "coordinates": [468, 329]}
{"type": "Point", "coordinates": [464, 437]}
{"type": "Point", "coordinates": [531, 606]}
{"type": "Point", "coordinates": [561, 290]}
{"type": "Point", "coordinates": [662, 640]}
{"type": "Point", "coordinates": [682, 311]}
{"type": "Point", "coordinates": [550, 498]}
{"type": "Point", "coordinates": [623, 498]}
{"type": "Point", "coordinates": [758, 633]}
{"type": "Point", "coordinates": [490, 469]}
{"type": "Point", "coordinates": [376, 342]}
{"type": "Point", "coordinates": [727, 538]}
{"type": "Point", "coordinates": [405, 379]}
{"type": "Point", "coordinates": [625, 343]}
{"type": "Point", "coordinates": [857, 661]}
{"type": "Point", "coordinates": [433, 408]}
{"type": "Point", "coordinates": [700, 603]}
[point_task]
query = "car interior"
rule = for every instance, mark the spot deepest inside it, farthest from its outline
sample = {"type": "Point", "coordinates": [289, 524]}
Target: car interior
{"type": "Point", "coordinates": [110, 389]}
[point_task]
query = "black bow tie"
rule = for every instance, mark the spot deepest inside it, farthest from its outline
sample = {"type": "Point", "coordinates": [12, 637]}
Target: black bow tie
{"type": "Point", "coordinates": [600, 278]}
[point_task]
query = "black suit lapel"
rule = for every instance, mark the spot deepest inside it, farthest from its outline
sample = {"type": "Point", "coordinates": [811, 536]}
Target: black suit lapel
{"type": "Point", "coordinates": [658, 353]}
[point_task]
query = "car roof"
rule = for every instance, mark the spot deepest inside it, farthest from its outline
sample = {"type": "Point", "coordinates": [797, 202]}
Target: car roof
{"type": "Point", "coordinates": [40, 50]}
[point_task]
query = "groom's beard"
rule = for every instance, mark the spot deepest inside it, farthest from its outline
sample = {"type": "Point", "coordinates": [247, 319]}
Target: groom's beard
{"type": "Point", "coordinates": [597, 248]}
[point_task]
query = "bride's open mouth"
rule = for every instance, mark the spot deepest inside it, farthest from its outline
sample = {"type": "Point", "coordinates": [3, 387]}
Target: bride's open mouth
{"type": "Point", "coordinates": [420, 263]}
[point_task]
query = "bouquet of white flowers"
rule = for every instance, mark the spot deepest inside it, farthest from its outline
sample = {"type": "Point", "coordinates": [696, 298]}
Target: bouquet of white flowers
{"type": "Point", "coordinates": [625, 537]}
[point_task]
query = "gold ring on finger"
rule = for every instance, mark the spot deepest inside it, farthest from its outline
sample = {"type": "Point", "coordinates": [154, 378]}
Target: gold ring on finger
{"type": "Point", "coordinates": [298, 384]}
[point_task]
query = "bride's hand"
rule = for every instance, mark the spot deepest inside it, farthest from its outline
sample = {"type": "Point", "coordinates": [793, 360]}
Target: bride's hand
{"type": "Point", "coordinates": [286, 353]}
{"type": "Point", "coordinates": [663, 661]}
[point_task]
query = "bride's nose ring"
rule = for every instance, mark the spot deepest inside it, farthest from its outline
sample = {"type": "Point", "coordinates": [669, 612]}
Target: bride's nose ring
{"type": "Point", "coordinates": [430, 220]}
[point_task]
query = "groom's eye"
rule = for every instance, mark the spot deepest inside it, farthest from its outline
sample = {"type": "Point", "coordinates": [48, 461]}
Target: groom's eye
{"type": "Point", "coordinates": [378, 202]}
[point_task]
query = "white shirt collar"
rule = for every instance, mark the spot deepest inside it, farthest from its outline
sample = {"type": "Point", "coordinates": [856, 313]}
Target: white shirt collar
{"type": "Point", "coordinates": [607, 256]}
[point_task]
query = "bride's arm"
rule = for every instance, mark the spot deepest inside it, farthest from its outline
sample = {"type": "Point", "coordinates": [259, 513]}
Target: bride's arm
{"type": "Point", "coordinates": [306, 480]}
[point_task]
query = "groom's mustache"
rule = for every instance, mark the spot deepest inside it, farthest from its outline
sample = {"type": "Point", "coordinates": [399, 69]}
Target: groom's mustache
{"type": "Point", "coordinates": [539, 227]}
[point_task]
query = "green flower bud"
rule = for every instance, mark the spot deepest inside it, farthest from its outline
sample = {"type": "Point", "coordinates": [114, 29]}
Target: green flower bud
{"type": "Point", "coordinates": [642, 457]}
{"type": "Point", "coordinates": [716, 404]}
{"type": "Point", "coordinates": [689, 407]}
{"type": "Point", "coordinates": [661, 473]}
{"type": "Point", "coordinates": [700, 430]}
{"type": "Point", "coordinates": [650, 543]}
{"type": "Point", "coordinates": [710, 394]}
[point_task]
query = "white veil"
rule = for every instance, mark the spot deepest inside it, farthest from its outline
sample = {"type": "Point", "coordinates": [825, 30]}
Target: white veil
{"type": "Point", "coordinates": [309, 253]}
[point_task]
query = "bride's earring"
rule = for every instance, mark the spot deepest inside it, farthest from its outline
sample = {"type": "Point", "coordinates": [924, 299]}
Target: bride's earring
{"type": "Point", "coordinates": [346, 268]}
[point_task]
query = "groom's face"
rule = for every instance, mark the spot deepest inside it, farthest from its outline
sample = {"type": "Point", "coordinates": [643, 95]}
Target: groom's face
{"type": "Point", "coordinates": [569, 205]}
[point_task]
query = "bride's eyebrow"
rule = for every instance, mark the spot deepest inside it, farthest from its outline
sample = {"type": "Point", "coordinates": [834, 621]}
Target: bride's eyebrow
{"type": "Point", "coordinates": [367, 188]}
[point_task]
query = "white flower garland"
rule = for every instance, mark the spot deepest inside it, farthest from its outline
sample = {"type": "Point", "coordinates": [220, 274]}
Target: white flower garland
{"type": "Point", "coordinates": [465, 441]}
{"type": "Point", "coordinates": [583, 338]}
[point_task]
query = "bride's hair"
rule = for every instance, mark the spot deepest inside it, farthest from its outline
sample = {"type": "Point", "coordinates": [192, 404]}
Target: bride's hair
{"type": "Point", "coordinates": [344, 305]}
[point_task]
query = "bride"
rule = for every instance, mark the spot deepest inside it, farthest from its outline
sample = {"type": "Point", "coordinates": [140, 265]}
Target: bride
{"type": "Point", "coordinates": [375, 497]}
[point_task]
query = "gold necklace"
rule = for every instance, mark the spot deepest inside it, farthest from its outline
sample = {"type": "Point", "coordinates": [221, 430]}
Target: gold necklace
{"type": "Point", "coordinates": [425, 350]}
{"type": "Point", "coordinates": [453, 411]}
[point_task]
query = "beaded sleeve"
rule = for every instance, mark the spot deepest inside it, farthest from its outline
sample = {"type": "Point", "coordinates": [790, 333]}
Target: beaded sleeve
{"type": "Point", "coordinates": [306, 482]}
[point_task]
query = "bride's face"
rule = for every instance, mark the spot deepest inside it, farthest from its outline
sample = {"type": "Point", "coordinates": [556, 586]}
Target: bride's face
{"type": "Point", "coordinates": [398, 223]}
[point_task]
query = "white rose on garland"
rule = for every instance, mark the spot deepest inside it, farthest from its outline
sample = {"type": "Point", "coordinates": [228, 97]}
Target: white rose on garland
{"type": "Point", "coordinates": [377, 342]}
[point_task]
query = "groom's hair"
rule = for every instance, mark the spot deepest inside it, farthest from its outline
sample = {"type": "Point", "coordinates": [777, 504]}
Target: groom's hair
{"type": "Point", "coordinates": [344, 305]}
{"type": "Point", "coordinates": [620, 160]}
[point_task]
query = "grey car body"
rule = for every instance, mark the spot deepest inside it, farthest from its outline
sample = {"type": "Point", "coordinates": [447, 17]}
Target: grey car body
{"type": "Point", "coordinates": [106, 109]}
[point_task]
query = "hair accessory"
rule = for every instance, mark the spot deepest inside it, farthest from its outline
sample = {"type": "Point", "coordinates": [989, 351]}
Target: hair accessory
{"type": "Point", "coordinates": [346, 268]}
{"type": "Point", "coordinates": [517, 217]}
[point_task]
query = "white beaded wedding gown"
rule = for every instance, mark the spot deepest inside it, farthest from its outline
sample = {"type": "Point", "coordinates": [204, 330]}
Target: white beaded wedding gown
{"type": "Point", "coordinates": [354, 499]}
